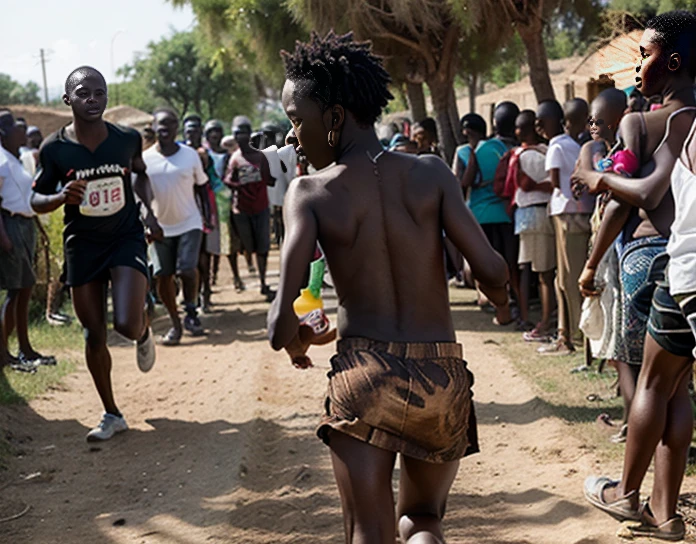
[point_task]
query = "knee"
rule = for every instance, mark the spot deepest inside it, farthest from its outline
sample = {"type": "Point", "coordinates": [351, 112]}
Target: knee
{"type": "Point", "coordinates": [130, 328]}
{"type": "Point", "coordinates": [189, 274]}
{"type": "Point", "coordinates": [95, 338]}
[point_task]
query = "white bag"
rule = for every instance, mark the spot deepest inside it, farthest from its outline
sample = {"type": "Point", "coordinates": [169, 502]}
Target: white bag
{"type": "Point", "coordinates": [592, 318]}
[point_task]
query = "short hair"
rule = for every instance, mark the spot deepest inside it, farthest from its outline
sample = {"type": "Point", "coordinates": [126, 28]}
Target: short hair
{"type": "Point", "coordinates": [165, 109]}
{"type": "Point", "coordinates": [675, 32]}
{"type": "Point", "coordinates": [193, 118]}
{"type": "Point", "coordinates": [341, 71]}
{"type": "Point", "coordinates": [504, 117]}
{"type": "Point", "coordinates": [550, 108]}
{"type": "Point", "coordinates": [241, 121]}
{"type": "Point", "coordinates": [429, 125]}
{"type": "Point", "coordinates": [613, 98]}
{"type": "Point", "coordinates": [576, 110]}
{"type": "Point", "coordinates": [526, 118]}
{"type": "Point", "coordinates": [80, 74]}
{"type": "Point", "coordinates": [473, 121]}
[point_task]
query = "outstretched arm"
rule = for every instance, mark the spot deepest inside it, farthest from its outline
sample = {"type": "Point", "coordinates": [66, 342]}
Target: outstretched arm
{"type": "Point", "coordinates": [298, 251]}
{"type": "Point", "coordinates": [462, 229]}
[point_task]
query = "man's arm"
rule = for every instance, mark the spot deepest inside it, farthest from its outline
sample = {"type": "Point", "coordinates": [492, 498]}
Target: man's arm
{"type": "Point", "coordinates": [647, 193]}
{"type": "Point", "coordinates": [470, 173]}
{"type": "Point", "coordinates": [462, 229]}
{"type": "Point", "coordinates": [297, 253]}
{"type": "Point", "coordinates": [44, 199]}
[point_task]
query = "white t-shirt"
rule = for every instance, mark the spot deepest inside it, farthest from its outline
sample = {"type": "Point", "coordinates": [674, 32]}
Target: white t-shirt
{"type": "Point", "coordinates": [563, 153]}
{"type": "Point", "coordinates": [173, 179]}
{"type": "Point", "coordinates": [682, 241]}
{"type": "Point", "coordinates": [15, 185]}
{"type": "Point", "coordinates": [533, 163]}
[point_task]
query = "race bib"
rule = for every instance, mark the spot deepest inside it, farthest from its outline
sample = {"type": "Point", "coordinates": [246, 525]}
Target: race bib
{"type": "Point", "coordinates": [103, 197]}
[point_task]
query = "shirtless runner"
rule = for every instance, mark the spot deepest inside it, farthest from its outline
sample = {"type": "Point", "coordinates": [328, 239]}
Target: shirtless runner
{"type": "Point", "coordinates": [398, 383]}
{"type": "Point", "coordinates": [86, 167]}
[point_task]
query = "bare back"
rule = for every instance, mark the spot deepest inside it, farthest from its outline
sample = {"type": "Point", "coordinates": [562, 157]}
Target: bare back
{"type": "Point", "coordinates": [382, 236]}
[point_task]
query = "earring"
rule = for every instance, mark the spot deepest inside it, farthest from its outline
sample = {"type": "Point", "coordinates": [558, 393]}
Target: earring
{"type": "Point", "coordinates": [332, 135]}
{"type": "Point", "coordinates": [673, 64]}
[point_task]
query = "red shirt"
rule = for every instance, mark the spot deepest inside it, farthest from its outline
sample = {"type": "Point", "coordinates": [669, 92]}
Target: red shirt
{"type": "Point", "coordinates": [251, 181]}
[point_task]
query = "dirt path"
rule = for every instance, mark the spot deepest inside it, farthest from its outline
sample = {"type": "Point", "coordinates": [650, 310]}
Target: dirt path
{"type": "Point", "coordinates": [222, 449]}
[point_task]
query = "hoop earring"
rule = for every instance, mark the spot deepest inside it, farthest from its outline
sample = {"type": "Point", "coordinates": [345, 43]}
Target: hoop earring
{"type": "Point", "coordinates": [332, 135]}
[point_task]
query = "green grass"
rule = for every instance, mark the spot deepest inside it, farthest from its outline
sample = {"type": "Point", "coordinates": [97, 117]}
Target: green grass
{"type": "Point", "coordinates": [65, 343]}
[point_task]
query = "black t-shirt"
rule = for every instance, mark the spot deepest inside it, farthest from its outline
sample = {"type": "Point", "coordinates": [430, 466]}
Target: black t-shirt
{"type": "Point", "coordinates": [109, 210]}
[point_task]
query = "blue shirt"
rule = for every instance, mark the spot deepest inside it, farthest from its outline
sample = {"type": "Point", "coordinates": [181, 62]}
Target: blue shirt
{"type": "Point", "coordinates": [486, 206]}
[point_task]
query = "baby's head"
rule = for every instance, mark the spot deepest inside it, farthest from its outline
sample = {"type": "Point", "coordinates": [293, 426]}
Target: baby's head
{"type": "Point", "coordinates": [607, 110]}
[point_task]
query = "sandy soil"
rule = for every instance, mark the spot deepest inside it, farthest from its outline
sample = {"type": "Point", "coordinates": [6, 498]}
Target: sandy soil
{"type": "Point", "coordinates": [222, 449]}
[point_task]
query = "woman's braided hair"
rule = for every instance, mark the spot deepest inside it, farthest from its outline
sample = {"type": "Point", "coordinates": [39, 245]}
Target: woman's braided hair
{"type": "Point", "coordinates": [340, 70]}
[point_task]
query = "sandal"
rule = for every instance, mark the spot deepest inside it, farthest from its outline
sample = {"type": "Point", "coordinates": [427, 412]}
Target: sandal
{"type": "Point", "coordinates": [620, 509]}
{"type": "Point", "coordinates": [46, 360]}
{"type": "Point", "coordinates": [537, 335]}
{"type": "Point", "coordinates": [172, 338]}
{"type": "Point", "coordinates": [672, 530]}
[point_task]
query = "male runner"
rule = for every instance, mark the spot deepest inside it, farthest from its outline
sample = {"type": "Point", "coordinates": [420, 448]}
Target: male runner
{"type": "Point", "coordinates": [86, 167]}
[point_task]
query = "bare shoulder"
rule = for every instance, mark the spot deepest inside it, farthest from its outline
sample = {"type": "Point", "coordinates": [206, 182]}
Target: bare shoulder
{"type": "Point", "coordinates": [432, 170]}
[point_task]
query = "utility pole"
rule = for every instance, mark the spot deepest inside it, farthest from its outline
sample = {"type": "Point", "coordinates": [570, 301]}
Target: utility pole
{"type": "Point", "coordinates": [43, 69]}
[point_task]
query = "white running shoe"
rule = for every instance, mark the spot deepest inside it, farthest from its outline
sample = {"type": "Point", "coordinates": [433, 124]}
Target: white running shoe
{"type": "Point", "coordinates": [146, 352]}
{"type": "Point", "coordinates": [108, 427]}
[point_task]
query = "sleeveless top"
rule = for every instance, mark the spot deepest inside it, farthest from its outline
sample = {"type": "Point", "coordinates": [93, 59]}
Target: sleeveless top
{"type": "Point", "coordinates": [682, 242]}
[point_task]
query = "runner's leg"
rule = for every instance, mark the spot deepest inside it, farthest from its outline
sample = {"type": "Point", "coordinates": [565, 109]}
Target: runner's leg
{"type": "Point", "coordinates": [89, 301]}
{"type": "Point", "coordinates": [167, 294]}
{"type": "Point", "coordinates": [128, 290]}
{"type": "Point", "coordinates": [363, 474]}
{"type": "Point", "coordinates": [423, 490]}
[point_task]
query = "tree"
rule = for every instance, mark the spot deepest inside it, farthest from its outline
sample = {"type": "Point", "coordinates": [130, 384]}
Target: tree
{"type": "Point", "coordinates": [13, 92]}
{"type": "Point", "coordinates": [175, 71]}
{"type": "Point", "coordinates": [530, 18]}
{"type": "Point", "coordinates": [423, 33]}
{"type": "Point", "coordinates": [249, 34]}
{"type": "Point", "coordinates": [645, 9]}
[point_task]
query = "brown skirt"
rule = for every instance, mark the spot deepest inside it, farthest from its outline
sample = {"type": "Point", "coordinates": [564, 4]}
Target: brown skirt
{"type": "Point", "coordinates": [408, 398]}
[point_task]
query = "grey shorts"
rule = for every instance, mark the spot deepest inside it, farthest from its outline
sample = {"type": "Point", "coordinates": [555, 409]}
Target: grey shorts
{"type": "Point", "coordinates": [17, 266]}
{"type": "Point", "coordinates": [254, 231]}
{"type": "Point", "coordinates": [176, 254]}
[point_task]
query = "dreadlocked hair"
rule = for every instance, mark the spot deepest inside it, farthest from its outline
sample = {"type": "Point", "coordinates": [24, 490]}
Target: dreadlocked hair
{"type": "Point", "coordinates": [675, 32]}
{"type": "Point", "coordinates": [340, 70]}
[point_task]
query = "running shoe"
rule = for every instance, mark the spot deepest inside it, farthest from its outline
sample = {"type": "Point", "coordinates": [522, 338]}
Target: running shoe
{"type": "Point", "coordinates": [108, 427]}
{"type": "Point", "coordinates": [46, 360]}
{"type": "Point", "coordinates": [21, 365]}
{"type": "Point", "coordinates": [57, 319]}
{"type": "Point", "coordinates": [193, 325]}
{"type": "Point", "coordinates": [146, 352]}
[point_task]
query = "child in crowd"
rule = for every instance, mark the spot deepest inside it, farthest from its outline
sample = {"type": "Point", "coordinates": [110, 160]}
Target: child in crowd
{"type": "Point", "coordinates": [571, 217]}
{"type": "Point", "coordinates": [607, 111]}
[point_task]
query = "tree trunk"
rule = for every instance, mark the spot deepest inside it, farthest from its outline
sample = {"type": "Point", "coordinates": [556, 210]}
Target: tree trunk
{"type": "Point", "coordinates": [473, 90]}
{"type": "Point", "coordinates": [416, 101]}
{"type": "Point", "coordinates": [533, 39]}
{"type": "Point", "coordinates": [453, 110]}
{"type": "Point", "coordinates": [440, 91]}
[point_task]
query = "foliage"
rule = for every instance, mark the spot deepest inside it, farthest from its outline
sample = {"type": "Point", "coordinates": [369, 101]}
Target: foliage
{"type": "Point", "coordinates": [13, 92]}
{"type": "Point", "coordinates": [249, 34]}
{"type": "Point", "coordinates": [175, 71]}
{"type": "Point", "coordinates": [644, 9]}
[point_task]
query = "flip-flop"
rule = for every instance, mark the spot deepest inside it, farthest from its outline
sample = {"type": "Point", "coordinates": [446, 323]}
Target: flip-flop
{"type": "Point", "coordinates": [620, 509]}
{"type": "Point", "coordinates": [172, 338]}
{"type": "Point", "coordinates": [672, 530]}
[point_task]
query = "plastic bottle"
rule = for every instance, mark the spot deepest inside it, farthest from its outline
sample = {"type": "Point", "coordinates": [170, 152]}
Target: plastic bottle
{"type": "Point", "coordinates": [309, 306]}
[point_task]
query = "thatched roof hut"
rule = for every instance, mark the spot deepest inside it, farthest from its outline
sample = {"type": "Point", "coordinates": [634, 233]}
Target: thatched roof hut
{"type": "Point", "coordinates": [128, 116]}
{"type": "Point", "coordinates": [47, 119]}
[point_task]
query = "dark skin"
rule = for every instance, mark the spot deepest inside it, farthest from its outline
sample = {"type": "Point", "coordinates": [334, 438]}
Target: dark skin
{"type": "Point", "coordinates": [242, 134]}
{"type": "Point", "coordinates": [15, 310]}
{"type": "Point", "coordinates": [166, 126]}
{"type": "Point", "coordinates": [652, 198]}
{"type": "Point", "coordinates": [380, 239]}
{"type": "Point", "coordinates": [88, 101]}
{"type": "Point", "coordinates": [526, 134]}
{"type": "Point", "coordinates": [660, 420]}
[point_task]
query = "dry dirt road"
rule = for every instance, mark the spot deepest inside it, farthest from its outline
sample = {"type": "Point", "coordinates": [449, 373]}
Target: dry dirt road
{"type": "Point", "coordinates": [222, 449]}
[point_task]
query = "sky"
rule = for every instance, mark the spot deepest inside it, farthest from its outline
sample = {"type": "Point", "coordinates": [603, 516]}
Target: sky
{"type": "Point", "coordinates": [78, 32]}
